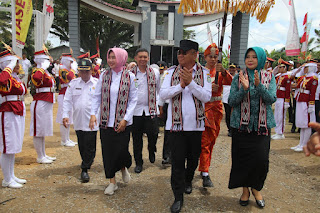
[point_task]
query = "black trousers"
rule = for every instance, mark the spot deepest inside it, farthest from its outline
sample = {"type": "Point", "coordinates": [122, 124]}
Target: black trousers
{"type": "Point", "coordinates": [115, 150]}
{"type": "Point", "coordinates": [184, 145]}
{"type": "Point", "coordinates": [144, 124]}
{"type": "Point", "coordinates": [166, 145]}
{"type": "Point", "coordinates": [87, 147]}
{"type": "Point", "coordinates": [292, 112]}
{"type": "Point", "coordinates": [227, 110]}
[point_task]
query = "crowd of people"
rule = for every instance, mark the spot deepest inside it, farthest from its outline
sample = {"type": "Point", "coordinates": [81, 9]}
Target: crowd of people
{"type": "Point", "coordinates": [187, 98]}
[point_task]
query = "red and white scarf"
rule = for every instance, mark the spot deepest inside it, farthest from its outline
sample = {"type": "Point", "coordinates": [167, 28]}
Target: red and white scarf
{"type": "Point", "coordinates": [152, 86]}
{"type": "Point", "coordinates": [265, 79]}
{"type": "Point", "coordinates": [177, 100]}
{"type": "Point", "coordinates": [123, 95]}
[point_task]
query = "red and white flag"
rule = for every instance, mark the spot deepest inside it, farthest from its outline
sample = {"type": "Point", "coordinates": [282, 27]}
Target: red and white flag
{"type": "Point", "coordinates": [209, 34]}
{"type": "Point", "coordinates": [292, 44]}
{"type": "Point", "coordinates": [48, 12]}
{"type": "Point", "coordinates": [305, 37]}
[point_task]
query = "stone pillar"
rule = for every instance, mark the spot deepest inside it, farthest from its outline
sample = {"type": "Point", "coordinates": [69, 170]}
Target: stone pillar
{"type": "Point", "coordinates": [74, 26]}
{"type": "Point", "coordinates": [239, 38]}
{"type": "Point", "coordinates": [178, 26]}
{"type": "Point", "coordinates": [145, 28]}
{"type": "Point", "coordinates": [153, 20]}
{"type": "Point", "coordinates": [171, 22]}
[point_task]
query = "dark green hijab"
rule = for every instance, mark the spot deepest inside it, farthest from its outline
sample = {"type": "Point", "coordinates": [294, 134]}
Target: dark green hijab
{"type": "Point", "coordinates": [261, 56]}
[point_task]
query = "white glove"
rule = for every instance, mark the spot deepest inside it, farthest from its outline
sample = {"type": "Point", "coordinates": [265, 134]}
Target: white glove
{"type": "Point", "coordinates": [311, 108]}
{"type": "Point", "coordinates": [12, 63]}
{"type": "Point", "coordinates": [286, 105]}
{"type": "Point", "coordinates": [45, 64]}
{"type": "Point", "coordinates": [74, 66]}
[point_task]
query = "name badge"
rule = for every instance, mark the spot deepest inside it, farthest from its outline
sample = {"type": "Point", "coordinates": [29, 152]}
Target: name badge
{"type": "Point", "coordinates": [78, 88]}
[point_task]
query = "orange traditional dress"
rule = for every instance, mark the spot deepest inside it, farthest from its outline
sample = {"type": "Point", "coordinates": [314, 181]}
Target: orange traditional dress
{"type": "Point", "coordinates": [213, 112]}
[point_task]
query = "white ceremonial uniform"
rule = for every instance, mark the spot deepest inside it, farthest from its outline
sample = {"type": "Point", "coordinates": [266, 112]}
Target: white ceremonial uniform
{"type": "Point", "coordinates": [78, 98]}
{"type": "Point", "coordinates": [188, 107]}
{"type": "Point", "coordinates": [114, 88]}
{"type": "Point", "coordinates": [142, 93]}
{"type": "Point", "coordinates": [13, 128]}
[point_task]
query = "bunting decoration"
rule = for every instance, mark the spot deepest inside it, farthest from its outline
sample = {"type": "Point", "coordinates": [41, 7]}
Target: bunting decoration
{"type": "Point", "coordinates": [257, 8]}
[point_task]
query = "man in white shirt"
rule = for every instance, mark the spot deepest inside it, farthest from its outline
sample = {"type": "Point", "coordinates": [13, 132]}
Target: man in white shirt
{"type": "Point", "coordinates": [78, 98]}
{"type": "Point", "coordinates": [25, 63]}
{"type": "Point", "coordinates": [188, 88]}
{"type": "Point", "coordinates": [145, 113]}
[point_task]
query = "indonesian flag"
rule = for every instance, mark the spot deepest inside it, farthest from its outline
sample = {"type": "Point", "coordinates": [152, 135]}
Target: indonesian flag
{"type": "Point", "coordinates": [293, 44]}
{"type": "Point", "coordinates": [209, 34]}
{"type": "Point", "coordinates": [305, 37]}
{"type": "Point", "coordinates": [47, 10]}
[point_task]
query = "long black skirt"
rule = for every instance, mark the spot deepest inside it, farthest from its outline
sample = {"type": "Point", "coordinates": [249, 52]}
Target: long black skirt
{"type": "Point", "coordinates": [115, 150]}
{"type": "Point", "coordinates": [250, 160]}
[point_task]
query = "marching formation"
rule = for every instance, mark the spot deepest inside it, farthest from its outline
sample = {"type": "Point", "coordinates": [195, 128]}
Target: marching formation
{"type": "Point", "coordinates": [189, 99]}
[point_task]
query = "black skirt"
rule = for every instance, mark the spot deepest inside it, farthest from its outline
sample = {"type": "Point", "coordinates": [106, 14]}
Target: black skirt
{"type": "Point", "coordinates": [250, 160]}
{"type": "Point", "coordinates": [115, 150]}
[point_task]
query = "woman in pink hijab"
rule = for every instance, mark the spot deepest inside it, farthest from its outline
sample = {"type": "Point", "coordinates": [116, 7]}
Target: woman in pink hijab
{"type": "Point", "coordinates": [115, 94]}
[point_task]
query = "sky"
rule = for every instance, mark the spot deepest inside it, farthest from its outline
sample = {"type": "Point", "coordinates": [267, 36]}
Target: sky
{"type": "Point", "coordinates": [272, 34]}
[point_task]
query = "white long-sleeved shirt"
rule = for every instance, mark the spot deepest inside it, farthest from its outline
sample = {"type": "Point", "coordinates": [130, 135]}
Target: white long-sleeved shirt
{"type": "Point", "coordinates": [114, 89]}
{"type": "Point", "coordinates": [142, 92]}
{"type": "Point", "coordinates": [78, 97]}
{"type": "Point", "coordinates": [189, 115]}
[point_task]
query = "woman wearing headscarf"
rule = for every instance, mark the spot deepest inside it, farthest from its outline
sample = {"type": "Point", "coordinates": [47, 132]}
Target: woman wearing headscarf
{"type": "Point", "coordinates": [252, 93]}
{"type": "Point", "coordinates": [116, 96]}
{"type": "Point", "coordinates": [305, 102]}
{"type": "Point", "coordinates": [12, 113]}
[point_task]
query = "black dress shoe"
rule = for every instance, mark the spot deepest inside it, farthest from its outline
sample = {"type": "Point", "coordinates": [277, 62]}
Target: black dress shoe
{"type": "Point", "coordinates": [152, 157]}
{"type": "Point", "coordinates": [207, 181]}
{"type": "Point", "coordinates": [166, 161]}
{"type": "Point", "coordinates": [243, 202]}
{"type": "Point", "coordinates": [293, 130]}
{"type": "Point", "coordinates": [138, 169]}
{"type": "Point", "coordinates": [260, 203]}
{"type": "Point", "coordinates": [188, 188]}
{"type": "Point", "coordinates": [85, 177]}
{"type": "Point", "coordinates": [176, 206]}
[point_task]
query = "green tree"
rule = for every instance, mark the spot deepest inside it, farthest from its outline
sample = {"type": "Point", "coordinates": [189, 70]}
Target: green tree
{"type": "Point", "coordinates": [92, 26]}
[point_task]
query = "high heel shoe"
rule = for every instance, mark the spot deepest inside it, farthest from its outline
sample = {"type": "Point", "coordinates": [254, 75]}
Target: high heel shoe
{"type": "Point", "coordinates": [244, 202]}
{"type": "Point", "coordinates": [260, 203]}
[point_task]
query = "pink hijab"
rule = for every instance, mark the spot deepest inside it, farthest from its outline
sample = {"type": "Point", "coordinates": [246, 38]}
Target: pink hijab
{"type": "Point", "coordinates": [121, 58]}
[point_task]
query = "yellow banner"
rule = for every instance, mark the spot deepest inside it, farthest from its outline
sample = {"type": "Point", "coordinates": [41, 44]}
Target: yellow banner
{"type": "Point", "coordinates": [23, 18]}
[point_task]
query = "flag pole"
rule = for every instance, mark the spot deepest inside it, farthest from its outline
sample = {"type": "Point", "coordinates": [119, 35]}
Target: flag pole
{"type": "Point", "coordinates": [224, 21]}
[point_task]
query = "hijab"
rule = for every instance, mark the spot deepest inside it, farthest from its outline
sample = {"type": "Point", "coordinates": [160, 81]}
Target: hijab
{"type": "Point", "coordinates": [121, 58]}
{"type": "Point", "coordinates": [261, 56]}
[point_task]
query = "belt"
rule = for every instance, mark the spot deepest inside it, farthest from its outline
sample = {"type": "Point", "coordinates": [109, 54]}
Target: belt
{"type": "Point", "coordinates": [13, 98]}
{"type": "Point", "coordinates": [282, 88]}
{"type": "Point", "coordinates": [63, 85]}
{"type": "Point", "coordinates": [44, 89]}
{"type": "Point", "coordinates": [215, 98]}
{"type": "Point", "coordinates": [305, 91]}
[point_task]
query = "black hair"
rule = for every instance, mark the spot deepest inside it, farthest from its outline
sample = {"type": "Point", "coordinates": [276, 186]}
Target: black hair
{"type": "Point", "coordinates": [141, 50]}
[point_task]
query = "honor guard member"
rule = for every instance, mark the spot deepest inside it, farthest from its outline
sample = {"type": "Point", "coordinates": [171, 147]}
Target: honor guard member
{"type": "Point", "coordinates": [305, 102]}
{"type": "Point", "coordinates": [96, 65]}
{"type": "Point", "coordinates": [78, 98]}
{"type": "Point", "coordinates": [213, 111]}
{"type": "Point", "coordinates": [283, 81]}
{"type": "Point", "coordinates": [145, 113]}
{"type": "Point", "coordinates": [188, 88]}
{"type": "Point", "coordinates": [268, 64]}
{"type": "Point", "coordinates": [12, 113]}
{"type": "Point", "coordinates": [67, 72]}
{"type": "Point", "coordinates": [41, 122]}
